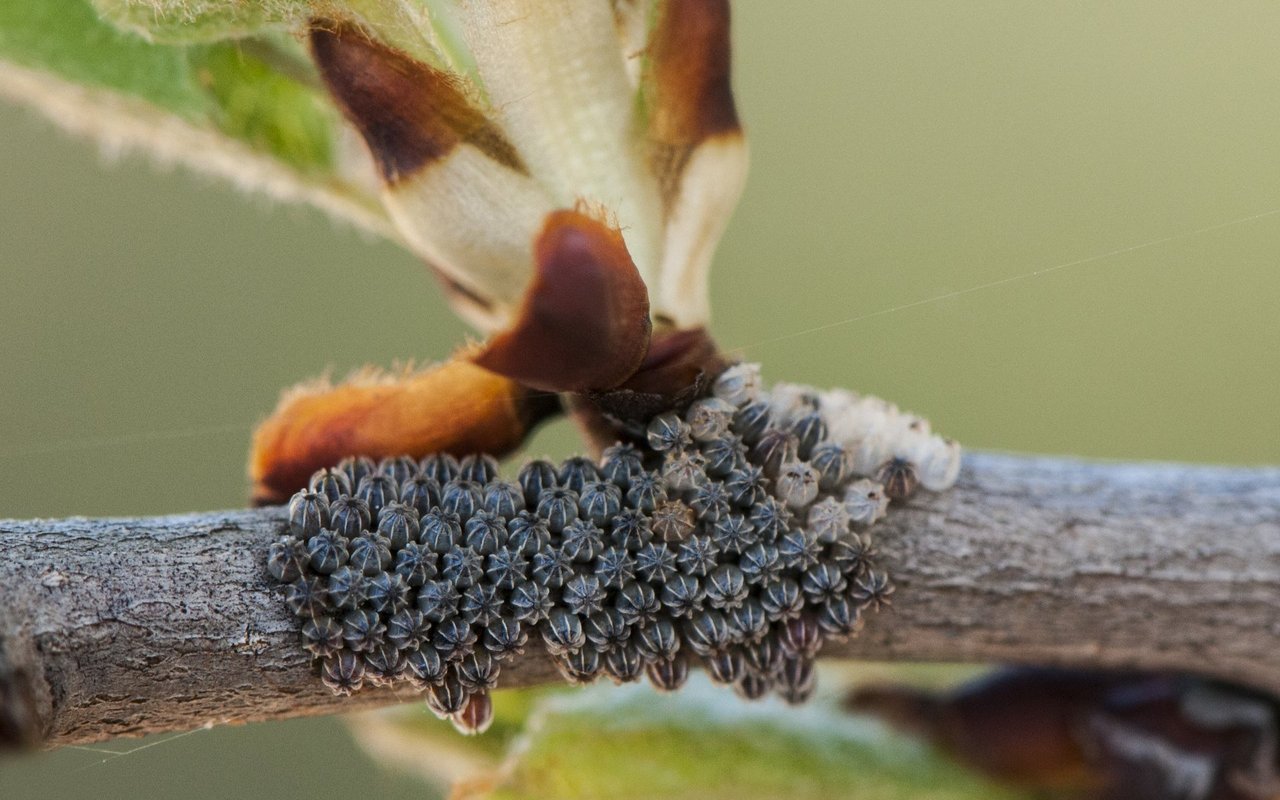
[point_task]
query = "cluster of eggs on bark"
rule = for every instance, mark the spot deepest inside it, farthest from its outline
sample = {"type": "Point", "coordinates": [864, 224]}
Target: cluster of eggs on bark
{"type": "Point", "coordinates": [733, 536]}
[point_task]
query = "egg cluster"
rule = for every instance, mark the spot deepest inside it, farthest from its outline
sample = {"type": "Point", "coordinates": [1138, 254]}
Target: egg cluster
{"type": "Point", "coordinates": [731, 535]}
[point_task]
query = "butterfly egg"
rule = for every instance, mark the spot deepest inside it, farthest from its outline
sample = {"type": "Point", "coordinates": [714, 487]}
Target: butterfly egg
{"type": "Point", "coordinates": [873, 590]}
{"type": "Point", "coordinates": [399, 523]}
{"type": "Point", "coordinates": [865, 502]}
{"type": "Point", "coordinates": [800, 636]}
{"type": "Point", "coordinates": [577, 472]}
{"type": "Point", "coordinates": [620, 463]}
{"type": "Point", "coordinates": [748, 621]}
{"type": "Point", "coordinates": [781, 599]}
{"type": "Point", "coordinates": [624, 664]}
{"type": "Point", "coordinates": [553, 567]}
{"type": "Point", "coordinates": [599, 501]}
{"type": "Point", "coordinates": [440, 467]}
{"type": "Point", "coordinates": [775, 448]}
{"type": "Point", "coordinates": [834, 465]}
{"type": "Point", "coordinates": [399, 469]}
{"type": "Point", "coordinates": [752, 420]}
{"type": "Point", "coordinates": [478, 671]}
{"type": "Point", "coordinates": [840, 618]}
{"type": "Point", "coordinates": [797, 484]}
{"type": "Point", "coordinates": [527, 533]}
{"type": "Point", "coordinates": [646, 492]}
{"type": "Point", "coordinates": [606, 629]}
{"type": "Point", "coordinates": [329, 483]}
{"type": "Point", "coordinates": [656, 562]}
{"type": "Point", "coordinates": [530, 602]}
{"type": "Point", "coordinates": [424, 667]}
{"type": "Point", "coordinates": [709, 418]}
{"type": "Point", "coordinates": [562, 633]}
{"type": "Point", "coordinates": [732, 533]}
{"type": "Point", "coordinates": [476, 715]}
{"type": "Point", "coordinates": [420, 493]}
{"type": "Point", "coordinates": [447, 697]}
{"type": "Point", "coordinates": [506, 568]}
{"type": "Point", "coordinates": [580, 667]}
{"type": "Point", "coordinates": [477, 468]}
{"type": "Point", "coordinates": [697, 555]}
{"type": "Point", "coordinates": [343, 672]}
{"type": "Point", "coordinates": [377, 490]}
{"type": "Point", "coordinates": [822, 582]}
{"type": "Point", "coordinates": [356, 468]}
{"type": "Point", "coordinates": [582, 541]}
{"type": "Point", "coordinates": [726, 666]}
{"type": "Point", "coordinates": [322, 636]}
{"type": "Point", "coordinates": [583, 595]}
{"type": "Point", "coordinates": [461, 497]}
{"type": "Point", "coordinates": [505, 637]}
{"type": "Point", "coordinates": [899, 478]}
{"type": "Point", "coordinates": [481, 605]}
{"type": "Point", "coordinates": [668, 432]}
{"type": "Point", "coordinates": [746, 486]}
{"type": "Point", "coordinates": [534, 478]}
{"type": "Point", "coordinates": [668, 675]}
{"type": "Point", "coordinates": [765, 657]}
{"type": "Point", "coordinates": [408, 629]}
{"type": "Point", "coordinates": [630, 530]}
{"type": "Point", "coordinates": [485, 533]}
{"type": "Point", "coordinates": [503, 498]}
{"type": "Point", "coordinates": [707, 632]}
{"type": "Point", "coordinates": [559, 507]}
{"type": "Point", "coordinates": [810, 431]}
{"type": "Point", "coordinates": [362, 630]}
{"type": "Point", "coordinates": [287, 559]}
{"type": "Point", "coordinates": [798, 549]}
{"type": "Point", "coordinates": [369, 553]}
{"type": "Point", "coordinates": [739, 384]}
{"type": "Point", "coordinates": [791, 401]}
{"type": "Point", "coordinates": [726, 588]}
{"type": "Point", "coordinates": [638, 603]}
{"type": "Point", "coordinates": [939, 464]}
{"type": "Point", "coordinates": [759, 563]}
{"type": "Point", "coordinates": [710, 502]}
{"type": "Point", "coordinates": [454, 639]}
{"type": "Point", "coordinates": [684, 471]}
{"type": "Point", "coordinates": [348, 589]}
{"type": "Point", "coordinates": [682, 595]}
{"type": "Point", "coordinates": [673, 521]}
{"type": "Point", "coordinates": [416, 564]}
{"type": "Point", "coordinates": [384, 665]}
{"type": "Point", "coordinates": [753, 686]}
{"type": "Point", "coordinates": [853, 555]}
{"type": "Point", "coordinates": [615, 568]}
{"type": "Point", "coordinates": [308, 597]}
{"type": "Point", "coordinates": [796, 680]}
{"type": "Point", "coordinates": [350, 516]}
{"type": "Point", "coordinates": [771, 519]}
{"type": "Point", "coordinates": [308, 513]}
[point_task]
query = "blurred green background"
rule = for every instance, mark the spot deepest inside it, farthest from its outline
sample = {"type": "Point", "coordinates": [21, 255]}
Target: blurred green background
{"type": "Point", "coordinates": [901, 151]}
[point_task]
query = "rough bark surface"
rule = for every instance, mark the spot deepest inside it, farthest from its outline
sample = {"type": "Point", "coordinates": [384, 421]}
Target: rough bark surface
{"type": "Point", "coordinates": [123, 627]}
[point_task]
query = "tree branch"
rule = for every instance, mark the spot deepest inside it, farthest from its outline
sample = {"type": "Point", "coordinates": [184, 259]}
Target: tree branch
{"type": "Point", "coordinates": [131, 626]}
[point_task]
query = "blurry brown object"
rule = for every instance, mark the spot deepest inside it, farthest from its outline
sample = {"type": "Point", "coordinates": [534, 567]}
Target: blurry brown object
{"type": "Point", "coordinates": [1098, 735]}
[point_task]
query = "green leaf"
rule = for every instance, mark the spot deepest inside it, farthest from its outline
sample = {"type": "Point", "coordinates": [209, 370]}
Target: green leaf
{"type": "Point", "coordinates": [701, 742]}
{"type": "Point", "coordinates": [195, 21]}
{"type": "Point", "coordinates": [66, 38]}
{"type": "Point", "coordinates": [256, 102]}
{"type": "Point", "coordinates": [250, 110]}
